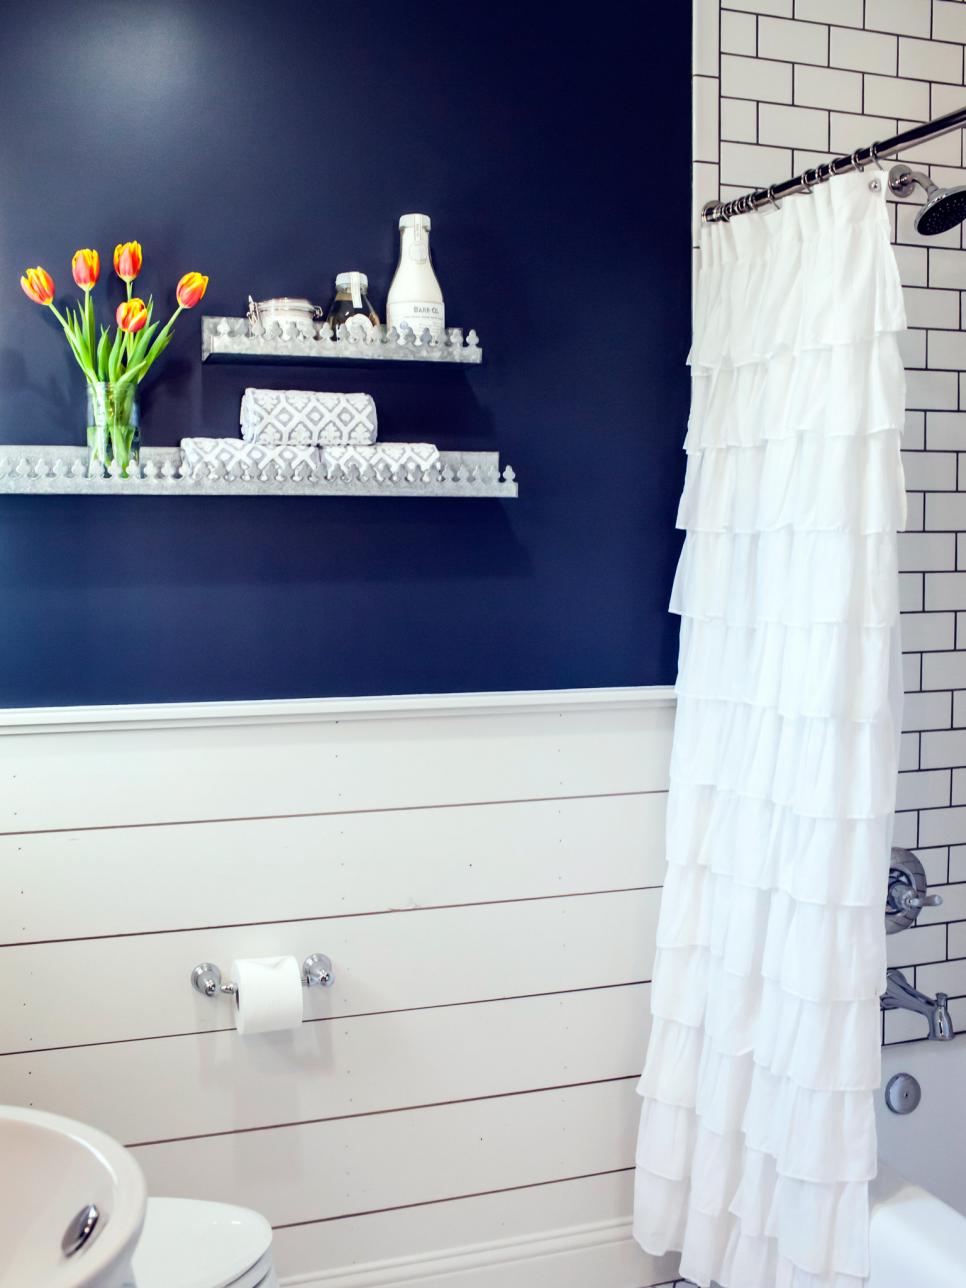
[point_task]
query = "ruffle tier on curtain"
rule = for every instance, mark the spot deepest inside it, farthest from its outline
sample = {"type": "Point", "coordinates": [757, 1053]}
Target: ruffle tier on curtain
{"type": "Point", "coordinates": [757, 1137]}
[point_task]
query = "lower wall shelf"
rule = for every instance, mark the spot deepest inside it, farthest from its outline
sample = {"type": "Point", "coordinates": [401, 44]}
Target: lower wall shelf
{"type": "Point", "coordinates": [42, 470]}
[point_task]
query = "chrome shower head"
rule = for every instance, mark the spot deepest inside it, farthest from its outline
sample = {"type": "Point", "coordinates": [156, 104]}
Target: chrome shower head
{"type": "Point", "coordinates": [944, 208]}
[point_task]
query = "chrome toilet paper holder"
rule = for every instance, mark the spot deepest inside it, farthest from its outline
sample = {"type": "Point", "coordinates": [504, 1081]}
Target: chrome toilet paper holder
{"type": "Point", "coordinates": [317, 972]}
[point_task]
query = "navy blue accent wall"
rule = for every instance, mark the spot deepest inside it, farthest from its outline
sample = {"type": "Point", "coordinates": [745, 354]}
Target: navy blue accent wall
{"type": "Point", "coordinates": [271, 145]}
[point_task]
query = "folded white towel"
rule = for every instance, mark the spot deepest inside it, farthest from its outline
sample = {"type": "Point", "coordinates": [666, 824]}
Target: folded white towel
{"type": "Point", "coordinates": [307, 418]}
{"type": "Point", "coordinates": [391, 456]}
{"type": "Point", "coordinates": [223, 453]}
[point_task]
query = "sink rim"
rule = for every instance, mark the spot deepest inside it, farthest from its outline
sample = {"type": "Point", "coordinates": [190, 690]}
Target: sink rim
{"type": "Point", "coordinates": [114, 1245]}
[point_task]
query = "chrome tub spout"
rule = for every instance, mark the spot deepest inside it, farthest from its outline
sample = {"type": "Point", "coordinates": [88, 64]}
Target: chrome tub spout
{"type": "Point", "coordinates": [900, 994]}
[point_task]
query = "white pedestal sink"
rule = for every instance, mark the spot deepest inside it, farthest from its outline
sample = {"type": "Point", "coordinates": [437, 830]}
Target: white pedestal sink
{"type": "Point", "coordinates": [52, 1170]}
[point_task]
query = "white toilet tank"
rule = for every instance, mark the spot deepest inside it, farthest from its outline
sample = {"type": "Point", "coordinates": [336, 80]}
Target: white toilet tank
{"type": "Point", "coordinates": [189, 1243]}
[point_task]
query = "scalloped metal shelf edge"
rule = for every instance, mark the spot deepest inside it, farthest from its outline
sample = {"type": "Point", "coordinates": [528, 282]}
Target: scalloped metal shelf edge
{"type": "Point", "coordinates": [39, 471]}
{"type": "Point", "coordinates": [238, 339]}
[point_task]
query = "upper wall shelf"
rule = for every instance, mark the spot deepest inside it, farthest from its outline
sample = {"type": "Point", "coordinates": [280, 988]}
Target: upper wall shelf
{"type": "Point", "coordinates": [239, 340]}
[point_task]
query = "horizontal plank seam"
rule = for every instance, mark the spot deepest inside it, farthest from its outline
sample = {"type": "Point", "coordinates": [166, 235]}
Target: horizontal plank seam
{"type": "Point", "coordinates": [332, 813]}
{"type": "Point", "coordinates": [454, 1198]}
{"type": "Point", "coordinates": [380, 1113]}
{"type": "Point", "coordinates": [329, 1019]}
{"type": "Point", "coordinates": [327, 916]}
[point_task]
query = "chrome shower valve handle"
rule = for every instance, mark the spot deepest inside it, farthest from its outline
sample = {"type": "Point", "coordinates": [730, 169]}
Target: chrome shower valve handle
{"type": "Point", "coordinates": [906, 899]}
{"type": "Point", "coordinates": [908, 891]}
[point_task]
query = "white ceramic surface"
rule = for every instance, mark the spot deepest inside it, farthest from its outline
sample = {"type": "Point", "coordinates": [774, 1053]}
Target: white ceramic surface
{"type": "Point", "coordinates": [190, 1243]}
{"type": "Point", "coordinates": [51, 1168]}
{"type": "Point", "coordinates": [918, 1233]}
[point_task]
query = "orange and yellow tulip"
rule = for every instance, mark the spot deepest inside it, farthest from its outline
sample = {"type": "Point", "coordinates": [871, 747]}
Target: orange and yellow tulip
{"type": "Point", "coordinates": [191, 289]}
{"type": "Point", "coordinates": [131, 315]}
{"type": "Point", "coordinates": [127, 260]}
{"type": "Point", "coordinates": [86, 267]}
{"type": "Point", "coordinates": [38, 285]}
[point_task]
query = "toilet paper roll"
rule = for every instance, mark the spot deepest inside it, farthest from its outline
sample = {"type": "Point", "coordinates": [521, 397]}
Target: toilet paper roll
{"type": "Point", "coordinates": [269, 994]}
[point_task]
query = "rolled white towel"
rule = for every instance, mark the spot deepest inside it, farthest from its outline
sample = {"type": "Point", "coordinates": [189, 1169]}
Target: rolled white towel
{"type": "Point", "coordinates": [392, 456]}
{"type": "Point", "coordinates": [307, 418]}
{"type": "Point", "coordinates": [223, 453]}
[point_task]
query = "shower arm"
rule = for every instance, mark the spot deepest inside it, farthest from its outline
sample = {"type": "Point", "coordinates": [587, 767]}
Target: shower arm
{"type": "Point", "coordinates": [716, 212]}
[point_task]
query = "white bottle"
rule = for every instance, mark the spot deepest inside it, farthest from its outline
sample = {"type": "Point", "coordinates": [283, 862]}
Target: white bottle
{"type": "Point", "coordinates": [415, 299]}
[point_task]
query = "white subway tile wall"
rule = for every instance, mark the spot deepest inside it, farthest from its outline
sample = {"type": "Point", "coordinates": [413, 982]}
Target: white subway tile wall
{"type": "Point", "coordinates": [795, 81]}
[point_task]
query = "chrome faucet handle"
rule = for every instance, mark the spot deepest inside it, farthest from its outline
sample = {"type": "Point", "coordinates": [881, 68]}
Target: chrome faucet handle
{"type": "Point", "coordinates": [904, 897]}
{"type": "Point", "coordinates": [907, 891]}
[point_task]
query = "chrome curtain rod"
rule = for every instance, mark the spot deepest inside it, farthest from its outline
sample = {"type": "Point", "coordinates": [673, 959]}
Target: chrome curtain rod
{"type": "Point", "coordinates": [716, 212]}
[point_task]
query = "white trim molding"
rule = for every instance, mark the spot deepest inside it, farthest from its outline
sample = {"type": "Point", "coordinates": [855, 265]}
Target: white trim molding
{"type": "Point", "coordinates": [80, 719]}
{"type": "Point", "coordinates": [407, 1270]}
{"type": "Point", "coordinates": [563, 1258]}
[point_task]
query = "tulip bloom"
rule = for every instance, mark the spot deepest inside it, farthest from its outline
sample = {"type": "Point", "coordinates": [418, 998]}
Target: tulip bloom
{"type": "Point", "coordinates": [86, 267]}
{"type": "Point", "coordinates": [131, 315]}
{"type": "Point", "coordinates": [38, 285]}
{"type": "Point", "coordinates": [191, 289]}
{"type": "Point", "coordinates": [127, 260]}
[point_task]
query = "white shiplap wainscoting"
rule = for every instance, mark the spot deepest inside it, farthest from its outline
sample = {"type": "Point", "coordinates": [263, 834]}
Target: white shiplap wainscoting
{"type": "Point", "coordinates": [484, 871]}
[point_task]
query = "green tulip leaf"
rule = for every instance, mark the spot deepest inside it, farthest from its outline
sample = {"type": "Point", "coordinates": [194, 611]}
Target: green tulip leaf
{"type": "Point", "coordinates": [114, 358]}
{"type": "Point", "coordinates": [102, 353]}
{"type": "Point", "coordinates": [141, 343]}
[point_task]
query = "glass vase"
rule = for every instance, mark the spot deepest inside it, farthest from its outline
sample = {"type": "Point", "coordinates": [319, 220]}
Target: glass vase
{"type": "Point", "coordinates": [113, 428]}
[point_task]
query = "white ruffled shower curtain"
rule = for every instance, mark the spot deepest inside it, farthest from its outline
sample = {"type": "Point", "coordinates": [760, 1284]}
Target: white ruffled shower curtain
{"type": "Point", "coordinates": [757, 1136]}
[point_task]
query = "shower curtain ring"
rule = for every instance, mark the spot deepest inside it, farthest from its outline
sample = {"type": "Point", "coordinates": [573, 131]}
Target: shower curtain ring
{"type": "Point", "coordinates": [771, 197]}
{"type": "Point", "coordinates": [856, 163]}
{"type": "Point", "coordinates": [874, 153]}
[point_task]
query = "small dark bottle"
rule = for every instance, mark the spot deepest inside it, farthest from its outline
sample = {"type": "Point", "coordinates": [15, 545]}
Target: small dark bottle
{"type": "Point", "coordinates": [350, 308]}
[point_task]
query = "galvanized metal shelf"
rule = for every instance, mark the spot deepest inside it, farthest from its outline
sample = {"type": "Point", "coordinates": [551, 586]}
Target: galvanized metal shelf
{"type": "Point", "coordinates": [239, 339]}
{"type": "Point", "coordinates": [44, 470]}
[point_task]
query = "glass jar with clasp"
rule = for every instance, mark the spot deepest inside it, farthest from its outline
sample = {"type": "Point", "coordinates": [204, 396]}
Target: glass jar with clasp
{"type": "Point", "coordinates": [290, 313]}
